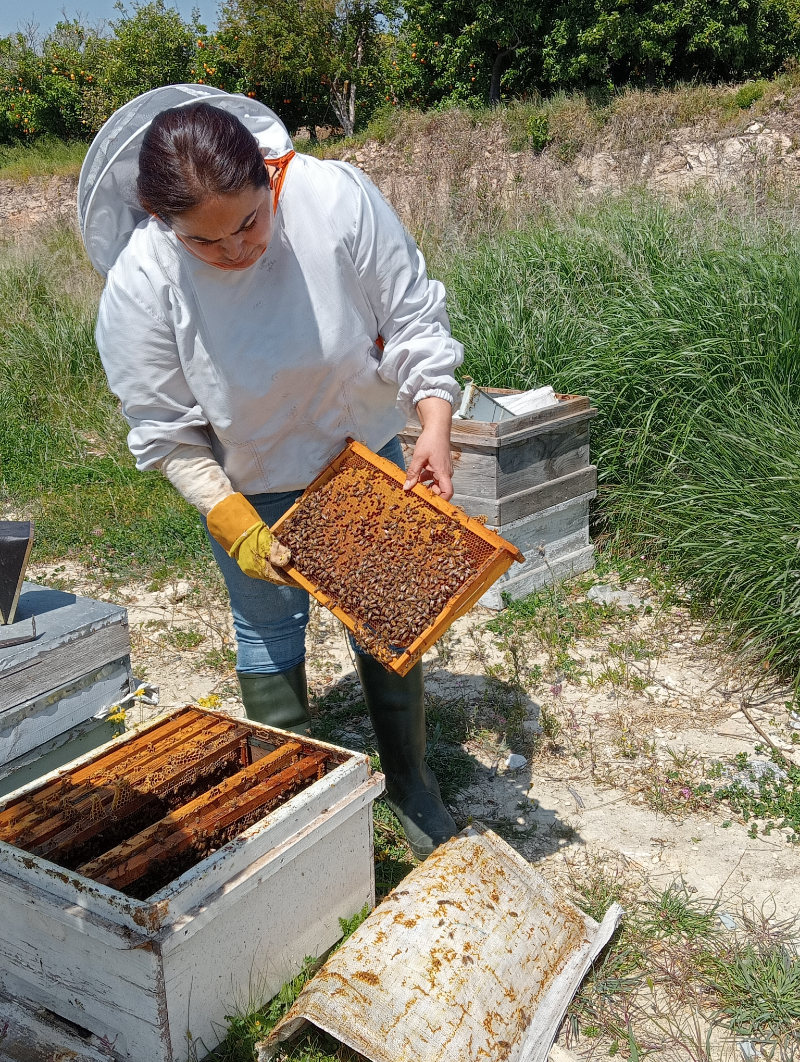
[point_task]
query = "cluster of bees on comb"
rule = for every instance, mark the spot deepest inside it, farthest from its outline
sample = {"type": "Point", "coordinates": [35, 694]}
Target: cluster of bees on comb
{"type": "Point", "coordinates": [386, 557]}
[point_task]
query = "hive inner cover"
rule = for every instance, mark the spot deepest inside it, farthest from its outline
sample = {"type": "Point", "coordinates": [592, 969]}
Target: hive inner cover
{"type": "Point", "coordinates": [473, 956]}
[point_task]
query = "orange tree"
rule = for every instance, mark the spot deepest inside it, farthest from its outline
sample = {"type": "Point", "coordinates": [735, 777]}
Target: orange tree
{"type": "Point", "coordinates": [150, 46]}
{"type": "Point", "coordinates": [463, 50]}
{"type": "Point", "coordinates": [68, 84]}
{"type": "Point", "coordinates": [316, 63]}
{"type": "Point", "coordinates": [479, 50]}
{"type": "Point", "coordinates": [45, 87]}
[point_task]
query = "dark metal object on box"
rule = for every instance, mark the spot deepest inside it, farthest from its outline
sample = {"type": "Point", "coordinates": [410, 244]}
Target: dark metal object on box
{"type": "Point", "coordinates": [16, 540]}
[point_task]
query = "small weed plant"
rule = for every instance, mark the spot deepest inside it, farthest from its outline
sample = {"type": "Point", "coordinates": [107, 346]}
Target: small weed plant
{"type": "Point", "coordinates": [675, 979]}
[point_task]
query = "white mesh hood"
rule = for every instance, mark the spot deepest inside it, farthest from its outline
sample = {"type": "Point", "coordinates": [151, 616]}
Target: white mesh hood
{"type": "Point", "coordinates": [108, 207]}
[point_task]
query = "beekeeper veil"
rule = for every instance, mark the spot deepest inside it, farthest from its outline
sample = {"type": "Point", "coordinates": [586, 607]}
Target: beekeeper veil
{"type": "Point", "coordinates": [108, 206]}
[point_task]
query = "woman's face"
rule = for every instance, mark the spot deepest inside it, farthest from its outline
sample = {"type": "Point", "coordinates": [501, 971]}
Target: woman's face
{"type": "Point", "coordinates": [231, 231]}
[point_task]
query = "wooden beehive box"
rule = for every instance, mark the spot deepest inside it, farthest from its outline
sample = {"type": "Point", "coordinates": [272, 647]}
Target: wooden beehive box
{"type": "Point", "coordinates": [52, 688]}
{"type": "Point", "coordinates": [152, 977]}
{"type": "Point", "coordinates": [531, 477]}
{"type": "Point", "coordinates": [385, 547]}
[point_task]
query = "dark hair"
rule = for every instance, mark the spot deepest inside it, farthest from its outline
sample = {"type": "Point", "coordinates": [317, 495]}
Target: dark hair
{"type": "Point", "coordinates": [191, 153]}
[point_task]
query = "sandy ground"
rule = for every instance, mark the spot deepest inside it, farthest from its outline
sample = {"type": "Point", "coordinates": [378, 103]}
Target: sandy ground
{"type": "Point", "coordinates": [596, 788]}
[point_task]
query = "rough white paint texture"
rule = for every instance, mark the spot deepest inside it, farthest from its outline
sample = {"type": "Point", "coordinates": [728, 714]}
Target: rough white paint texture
{"type": "Point", "coordinates": [231, 929]}
{"type": "Point", "coordinates": [473, 957]}
{"type": "Point", "coordinates": [36, 722]}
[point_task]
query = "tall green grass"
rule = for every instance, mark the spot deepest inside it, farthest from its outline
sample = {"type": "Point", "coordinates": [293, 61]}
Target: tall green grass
{"type": "Point", "coordinates": [682, 324]}
{"type": "Point", "coordinates": [42, 158]}
{"type": "Point", "coordinates": [63, 458]}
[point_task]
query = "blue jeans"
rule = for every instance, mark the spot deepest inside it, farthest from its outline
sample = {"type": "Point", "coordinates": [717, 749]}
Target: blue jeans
{"type": "Point", "coordinates": [270, 620]}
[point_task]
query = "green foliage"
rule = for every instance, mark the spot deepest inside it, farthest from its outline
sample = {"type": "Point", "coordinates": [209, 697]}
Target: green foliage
{"type": "Point", "coordinates": [748, 94]}
{"type": "Point", "coordinates": [69, 83]}
{"type": "Point", "coordinates": [315, 63]}
{"type": "Point", "coordinates": [759, 992]}
{"type": "Point", "coordinates": [675, 913]}
{"type": "Point", "coordinates": [539, 132]}
{"type": "Point", "coordinates": [473, 52]}
{"type": "Point", "coordinates": [672, 948]}
{"type": "Point", "coordinates": [151, 46]}
{"type": "Point", "coordinates": [592, 43]}
{"type": "Point", "coordinates": [42, 157]}
{"type": "Point", "coordinates": [461, 50]}
{"type": "Point", "coordinates": [47, 88]}
{"type": "Point", "coordinates": [776, 800]}
{"type": "Point", "coordinates": [681, 325]}
{"type": "Point", "coordinates": [338, 62]}
{"type": "Point", "coordinates": [348, 926]}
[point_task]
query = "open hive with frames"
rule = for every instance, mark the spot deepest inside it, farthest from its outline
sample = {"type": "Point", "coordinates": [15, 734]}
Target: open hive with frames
{"type": "Point", "coordinates": [397, 567]}
{"type": "Point", "coordinates": [143, 813]}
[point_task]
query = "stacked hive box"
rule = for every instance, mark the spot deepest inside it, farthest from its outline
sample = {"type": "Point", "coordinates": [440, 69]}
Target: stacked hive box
{"type": "Point", "coordinates": [53, 688]}
{"type": "Point", "coordinates": [531, 478]}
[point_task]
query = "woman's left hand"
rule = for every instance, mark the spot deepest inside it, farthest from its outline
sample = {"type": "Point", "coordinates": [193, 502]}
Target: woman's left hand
{"type": "Point", "coordinates": [432, 462]}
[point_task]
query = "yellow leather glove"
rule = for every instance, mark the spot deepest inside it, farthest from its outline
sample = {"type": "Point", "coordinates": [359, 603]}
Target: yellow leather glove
{"type": "Point", "coordinates": [243, 535]}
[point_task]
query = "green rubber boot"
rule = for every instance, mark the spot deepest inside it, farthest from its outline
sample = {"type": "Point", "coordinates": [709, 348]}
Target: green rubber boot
{"type": "Point", "coordinates": [397, 710]}
{"type": "Point", "coordinates": [278, 700]}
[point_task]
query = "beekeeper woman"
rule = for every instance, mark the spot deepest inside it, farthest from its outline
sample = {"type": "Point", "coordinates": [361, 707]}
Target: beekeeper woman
{"type": "Point", "coordinates": [259, 308]}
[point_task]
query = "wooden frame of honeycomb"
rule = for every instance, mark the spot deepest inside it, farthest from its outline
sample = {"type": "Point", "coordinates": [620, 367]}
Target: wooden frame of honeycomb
{"type": "Point", "coordinates": [397, 567]}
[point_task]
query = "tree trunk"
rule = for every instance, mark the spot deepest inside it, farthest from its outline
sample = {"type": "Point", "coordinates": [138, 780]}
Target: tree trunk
{"type": "Point", "coordinates": [343, 97]}
{"type": "Point", "coordinates": [497, 74]}
{"type": "Point", "coordinates": [343, 102]}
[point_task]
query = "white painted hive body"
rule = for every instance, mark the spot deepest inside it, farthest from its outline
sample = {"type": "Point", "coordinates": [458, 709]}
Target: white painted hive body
{"type": "Point", "coordinates": [153, 979]}
{"type": "Point", "coordinates": [530, 476]}
{"type": "Point", "coordinates": [52, 688]}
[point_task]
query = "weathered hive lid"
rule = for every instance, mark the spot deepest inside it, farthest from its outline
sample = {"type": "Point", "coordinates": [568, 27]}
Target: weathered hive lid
{"type": "Point", "coordinates": [472, 956]}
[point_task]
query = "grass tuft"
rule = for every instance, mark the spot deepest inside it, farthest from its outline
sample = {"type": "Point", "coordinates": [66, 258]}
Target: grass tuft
{"type": "Point", "coordinates": [680, 323]}
{"type": "Point", "coordinates": [46, 157]}
{"type": "Point", "coordinates": [63, 458]}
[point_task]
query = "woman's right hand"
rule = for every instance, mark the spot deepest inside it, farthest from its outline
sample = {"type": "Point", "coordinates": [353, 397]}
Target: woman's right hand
{"type": "Point", "coordinates": [243, 535]}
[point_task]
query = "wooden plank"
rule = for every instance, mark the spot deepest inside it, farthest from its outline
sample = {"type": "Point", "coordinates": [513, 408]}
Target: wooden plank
{"type": "Point", "coordinates": [51, 672]}
{"type": "Point", "coordinates": [54, 840]}
{"type": "Point", "coordinates": [260, 798]}
{"type": "Point", "coordinates": [52, 717]}
{"type": "Point", "coordinates": [502, 511]}
{"type": "Point", "coordinates": [35, 1034]}
{"type": "Point", "coordinates": [105, 981]}
{"type": "Point", "coordinates": [542, 458]}
{"type": "Point", "coordinates": [517, 427]}
{"type": "Point", "coordinates": [533, 461]}
{"type": "Point", "coordinates": [80, 790]}
{"type": "Point", "coordinates": [247, 950]}
{"type": "Point", "coordinates": [70, 631]}
{"type": "Point", "coordinates": [188, 896]}
{"type": "Point", "coordinates": [129, 746]}
{"type": "Point", "coordinates": [104, 867]}
{"type": "Point", "coordinates": [567, 405]}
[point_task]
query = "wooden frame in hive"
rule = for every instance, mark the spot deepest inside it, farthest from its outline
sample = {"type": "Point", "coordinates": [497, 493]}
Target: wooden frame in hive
{"type": "Point", "coordinates": [498, 558]}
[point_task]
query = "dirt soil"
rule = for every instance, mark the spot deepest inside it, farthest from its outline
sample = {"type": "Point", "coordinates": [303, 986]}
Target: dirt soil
{"type": "Point", "coordinates": [454, 169]}
{"type": "Point", "coordinates": [615, 743]}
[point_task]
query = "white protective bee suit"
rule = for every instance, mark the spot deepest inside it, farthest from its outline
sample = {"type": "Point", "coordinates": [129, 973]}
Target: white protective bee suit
{"type": "Point", "coordinates": [252, 380]}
